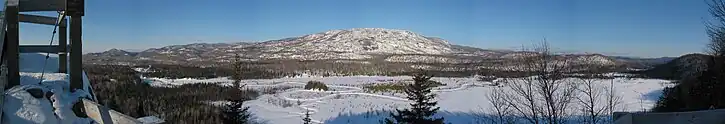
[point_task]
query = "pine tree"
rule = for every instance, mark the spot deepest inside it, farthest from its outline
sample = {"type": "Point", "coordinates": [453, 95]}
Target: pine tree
{"type": "Point", "coordinates": [140, 112]}
{"type": "Point", "coordinates": [700, 91]}
{"type": "Point", "coordinates": [423, 107]}
{"type": "Point", "coordinates": [307, 119]}
{"type": "Point", "coordinates": [235, 112]}
{"type": "Point", "coordinates": [237, 67]}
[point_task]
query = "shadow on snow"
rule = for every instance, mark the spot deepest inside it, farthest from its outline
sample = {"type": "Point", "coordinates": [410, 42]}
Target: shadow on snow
{"type": "Point", "coordinates": [376, 117]}
{"type": "Point", "coordinates": [653, 95]}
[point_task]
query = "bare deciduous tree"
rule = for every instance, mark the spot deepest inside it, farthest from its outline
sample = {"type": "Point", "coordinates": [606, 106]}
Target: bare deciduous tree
{"type": "Point", "coordinates": [546, 96]}
{"type": "Point", "coordinates": [613, 99]}
{"type": "Point", "coordinates": [716, 29]}
{"type": "Point", "coordinates": [501, 110]}
{"type": "Point", "coordinates": [543, 96]}
{"type": "Point", "coordinates": [596, 99]}
{"type": "Point", "coordinates": [716, 32]}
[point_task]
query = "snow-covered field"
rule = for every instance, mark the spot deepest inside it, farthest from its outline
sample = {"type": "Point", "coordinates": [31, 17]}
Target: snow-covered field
{"type": "Point", "coordinates": [462, 100]}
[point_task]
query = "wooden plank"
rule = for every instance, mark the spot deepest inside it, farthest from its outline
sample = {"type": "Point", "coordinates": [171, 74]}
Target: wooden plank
{"type": "Point", "coordinates": [103, 115]}
{"type": "Point", "coordinates": [38, 5]}
{"type": "Point", "coordinates": [36, 19]}
{"type": "Point", "coordinates": [76, 54]}
{"type": "Point", "coordinates": [77, 7]}
{"type": "Point", "coordinates": [39, 49]}
{"type": "Point", "coordinates": [622, 118]}
{"type": "Point", "coordinates": [63, 48]}
{"type": "Point", "coordinates": [3, 65]}
{"type": "Point", "coordinates": [11, 52]}
{"type": "Point", "coordinates": [3, 83]}
{"type": "Point", "coordinates": [714, 116]}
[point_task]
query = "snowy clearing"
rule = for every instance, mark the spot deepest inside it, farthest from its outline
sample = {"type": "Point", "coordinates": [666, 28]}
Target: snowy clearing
{"type": "Point", "coordinates": [462, 100]}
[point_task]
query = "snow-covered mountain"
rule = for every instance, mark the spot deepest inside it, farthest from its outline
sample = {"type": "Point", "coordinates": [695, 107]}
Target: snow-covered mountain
{"type": "Point", "coordinates": [362, 41]}
{"type": "Point", "coordinates": [114, 53]}
{"type": "Point", "coordinates": [359, 44]}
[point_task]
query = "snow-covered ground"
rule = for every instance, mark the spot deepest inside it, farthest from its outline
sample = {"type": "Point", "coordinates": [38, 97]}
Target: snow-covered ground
{"type": "Point", "coordinates": [462, 100]}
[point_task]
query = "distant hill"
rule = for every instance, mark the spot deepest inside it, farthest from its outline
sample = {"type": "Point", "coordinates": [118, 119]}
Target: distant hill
{"type": "Point", "coordinates": [637, 62]}
{"type": "Point", "coordinates": [366, 48]}
{"type": "Point", "coordinates": [679, 67]}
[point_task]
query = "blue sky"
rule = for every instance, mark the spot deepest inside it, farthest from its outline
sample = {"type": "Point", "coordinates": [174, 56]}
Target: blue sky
{"type": "Point", "coordinates": [644, 28]}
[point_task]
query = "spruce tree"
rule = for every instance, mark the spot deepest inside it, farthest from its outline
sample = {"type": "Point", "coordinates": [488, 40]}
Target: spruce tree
{"type": "Point", "coordinates": [140, 111]}
{"type": "Point", "coordinates": [235, 112]}
{"type": "Point", "coordinates": [307, 119]}
{"type": "Point", "coordinates": [700, 91]}
{"type": "Point", "coordinates": [423, 107]}
{"type": "Point", "coordinates": [237, 68]}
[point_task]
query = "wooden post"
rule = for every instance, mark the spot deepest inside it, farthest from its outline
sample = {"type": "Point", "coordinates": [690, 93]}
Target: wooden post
{"type": "Point", "coordinates": [75, 8]}
{"type": "Point", "coordinates": [63, 47]}
{"type": "Point", "coordinates": [76, 49]}
{"type": "Point", "coordinates": [3, 65]}
{"type": "Point", "coordinates": [11, 54]}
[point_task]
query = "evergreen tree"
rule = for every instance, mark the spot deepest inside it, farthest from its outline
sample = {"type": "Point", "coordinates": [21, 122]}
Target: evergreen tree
{"type": "Point", "coordinates": [140, 112]}
{"type": "Point", "coordinates": [702, 90]}
{"type": "Point", "coordinates": [237, 67]}
{"type": "Point", "coordinates": [423, 107]}
{"type": "Point", "coordinates": [307, 119]}
{"type": "Point", "coordinates": [234, 112]}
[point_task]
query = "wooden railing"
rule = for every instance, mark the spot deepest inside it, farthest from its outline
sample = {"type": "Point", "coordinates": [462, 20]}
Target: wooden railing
{"type": "Point", "coordinates": [103, 115]}
{"type": "Point", "coordinates": [692, 117]}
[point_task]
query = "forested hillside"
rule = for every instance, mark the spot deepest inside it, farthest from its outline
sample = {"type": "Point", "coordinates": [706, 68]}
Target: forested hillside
{"type": "Point", "coordinates": [119, 88]}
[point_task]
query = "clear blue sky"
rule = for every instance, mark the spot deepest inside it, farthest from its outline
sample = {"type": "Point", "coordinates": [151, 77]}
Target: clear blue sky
{"type": "Point", "coordinates": [644, 28]}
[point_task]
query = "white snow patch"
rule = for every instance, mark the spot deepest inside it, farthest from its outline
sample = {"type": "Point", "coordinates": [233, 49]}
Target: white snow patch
{"type": "Point", "coordinates": [151, 120]}
{"type": "Point", "coordinates": [346, 99]}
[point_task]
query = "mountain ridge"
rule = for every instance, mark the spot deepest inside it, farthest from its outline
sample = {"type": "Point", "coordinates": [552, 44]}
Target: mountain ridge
{"type": "Point", "coordinates": [358, 44]}
{"type": "Point", "coordinates": [680, 67]}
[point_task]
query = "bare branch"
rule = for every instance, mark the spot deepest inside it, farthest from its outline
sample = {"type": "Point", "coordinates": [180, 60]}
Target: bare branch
{"type": "Point", "coordinates": [543, 96]}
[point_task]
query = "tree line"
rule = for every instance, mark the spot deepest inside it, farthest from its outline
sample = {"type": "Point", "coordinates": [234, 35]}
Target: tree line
{"type": "Point", "coordinates": [701, 88]}
{"type": "Point", "coordinates": [120, 89]}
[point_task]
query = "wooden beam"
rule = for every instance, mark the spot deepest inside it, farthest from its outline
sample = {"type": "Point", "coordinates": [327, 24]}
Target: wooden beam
{"type": "Point", "coordinates": [11, 54]}
{"type": "Point", "coordinates": [39, 49]}
{"type": "Point", "coordinates": [3, 83]}
{"type": "Point", "coordinates": [76, 7]}
{"type": "Point", "coordinates": [36, 19]}
{"type": "Point", "coordinates": [38, 5]}
{"type": "Point", "coordinates": [103, 115]}
{"type": "Point", "coordinates": [76, 53]}
{"type": "Point", "coordinates": [3, 66]}
{"type": "Point", "coordinates": [63, 47]}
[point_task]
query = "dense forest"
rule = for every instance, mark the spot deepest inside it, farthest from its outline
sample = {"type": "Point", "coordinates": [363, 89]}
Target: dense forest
{"type": "Point", "coordinates": [181, 71]}
{"type": "Point", "coordinates": [119, 88]}
{"type": "Point", "coordinates": [268, 72]}
{"type": "Point", "coordinates": [701, 88]}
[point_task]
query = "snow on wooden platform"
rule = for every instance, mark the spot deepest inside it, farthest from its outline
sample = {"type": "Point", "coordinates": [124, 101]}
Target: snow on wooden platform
{"type": "Point", "coordinates": [20, 107]}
